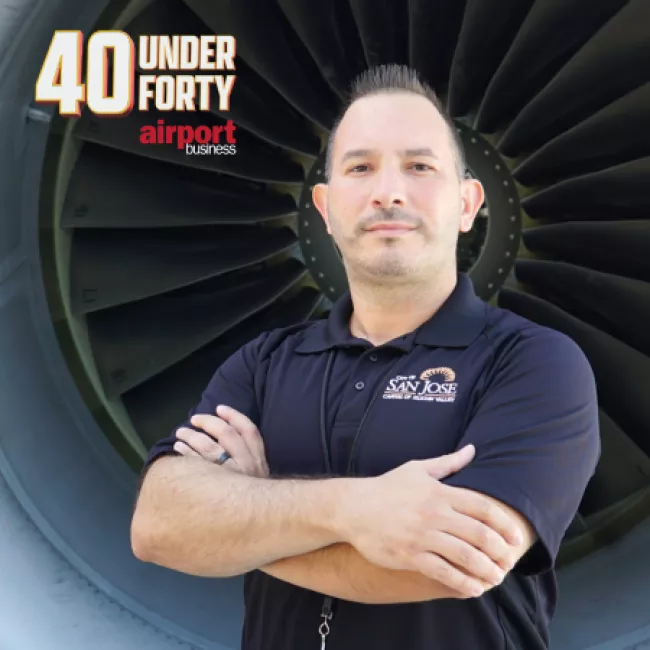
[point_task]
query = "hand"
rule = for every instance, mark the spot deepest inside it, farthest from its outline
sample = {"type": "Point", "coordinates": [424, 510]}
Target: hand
{"type": "Point", "coordinates": [231, 431]}
{"type": "Point", "coordinates": [407, 519]}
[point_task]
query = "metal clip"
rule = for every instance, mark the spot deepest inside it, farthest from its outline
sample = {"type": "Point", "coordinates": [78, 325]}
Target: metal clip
{"type": "Point", "coordinates": [324, 630]}
{"type": "Point", "coordinates": [324, 627]}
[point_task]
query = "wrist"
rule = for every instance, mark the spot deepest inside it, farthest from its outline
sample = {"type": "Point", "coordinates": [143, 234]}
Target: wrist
{"type": "Point", "coordinates": [348, 495]}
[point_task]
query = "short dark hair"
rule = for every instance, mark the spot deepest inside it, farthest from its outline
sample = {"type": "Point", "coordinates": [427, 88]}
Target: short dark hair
{"type": "Point", "coordinates": [388, 79]}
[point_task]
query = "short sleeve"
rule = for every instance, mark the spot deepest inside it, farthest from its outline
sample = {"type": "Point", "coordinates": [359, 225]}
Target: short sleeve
{"type": "Point", "coordinates": [537, 438]}
{"type": "Point", "coordinates": [233, 384]}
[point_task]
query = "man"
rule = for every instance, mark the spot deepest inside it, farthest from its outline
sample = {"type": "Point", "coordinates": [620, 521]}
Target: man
{"type": "Point", "coordinates": [401, 474]}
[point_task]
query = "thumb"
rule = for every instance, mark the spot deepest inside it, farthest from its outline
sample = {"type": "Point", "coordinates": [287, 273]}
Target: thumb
{"type": "Point", "coordinates": [443, 466]}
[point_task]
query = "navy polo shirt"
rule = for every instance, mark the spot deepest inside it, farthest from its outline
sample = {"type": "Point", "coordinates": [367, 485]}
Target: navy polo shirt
{"type": "Point", "coordinates": [523, 394]}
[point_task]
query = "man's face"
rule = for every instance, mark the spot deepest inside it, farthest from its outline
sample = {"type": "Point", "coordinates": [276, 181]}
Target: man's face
{"type": "Point", "coordinates": [395, 203]}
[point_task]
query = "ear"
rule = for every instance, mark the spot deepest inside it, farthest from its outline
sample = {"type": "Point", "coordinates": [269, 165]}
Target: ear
{"type": "Point", "coordinates": [472, 197]}
{"type": "Point", "coordinates": [319, 197]}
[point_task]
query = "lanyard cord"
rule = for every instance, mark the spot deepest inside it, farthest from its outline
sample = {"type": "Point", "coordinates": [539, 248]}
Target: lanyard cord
{"type": "Point", "coordinates": [323, 410]}
{"type": "Point", "coordinates": [328, 603]}
{"type": "Point", "coordinates": [367, 411]}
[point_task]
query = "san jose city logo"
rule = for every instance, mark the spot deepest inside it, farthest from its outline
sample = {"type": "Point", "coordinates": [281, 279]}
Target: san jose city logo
{"type": "Point", "coordinates": [432, 385]}
{"type": "Point", "coordinates": [110, 84]}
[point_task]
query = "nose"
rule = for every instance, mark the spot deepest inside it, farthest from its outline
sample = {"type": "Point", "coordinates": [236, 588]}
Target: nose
{"type": "Point", "coordinates": [388, 189]}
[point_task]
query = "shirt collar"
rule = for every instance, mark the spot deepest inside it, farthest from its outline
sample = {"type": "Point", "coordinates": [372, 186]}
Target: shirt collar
{"type": "Point", "coordinates": [459, 321]}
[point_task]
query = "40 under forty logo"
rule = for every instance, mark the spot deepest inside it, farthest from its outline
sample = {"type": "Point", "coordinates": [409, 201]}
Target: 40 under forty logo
{"type": "Point", "coordinates": [60, 82]}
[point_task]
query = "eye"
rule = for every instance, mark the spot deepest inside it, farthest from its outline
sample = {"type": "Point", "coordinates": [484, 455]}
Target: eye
{"type": "Point", "coordinates": [422, 167]}
{"type": "Point", "coordinates": [357, 168]}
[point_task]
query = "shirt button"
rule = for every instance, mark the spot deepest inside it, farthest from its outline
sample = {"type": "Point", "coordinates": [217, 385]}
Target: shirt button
{"type": "Point", "coordinates": [373, 357]}
{"type": "Point", "coordinates": [359, 385]}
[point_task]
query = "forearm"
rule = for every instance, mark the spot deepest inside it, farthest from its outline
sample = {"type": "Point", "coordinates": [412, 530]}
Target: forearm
{"type": "Point", "coordinates": [199, 518]}
{"type": "Point", "coordinates": [342, 572]}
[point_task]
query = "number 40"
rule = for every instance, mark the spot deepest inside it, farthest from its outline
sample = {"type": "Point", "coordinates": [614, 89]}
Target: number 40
{"type": "Point", "coordinates": [59, 80]}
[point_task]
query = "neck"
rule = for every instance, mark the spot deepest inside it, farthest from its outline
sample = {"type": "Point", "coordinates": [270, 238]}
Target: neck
{"type": "Point", "coordinates": [384, 313]}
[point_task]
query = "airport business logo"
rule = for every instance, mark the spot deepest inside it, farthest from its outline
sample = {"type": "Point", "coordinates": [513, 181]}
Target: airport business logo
{"type": "Point", "coordinates": [200, 140]}
{"type": "Point", "coordinates": [433, 385]}
{"type": "Point", "coordinates": [109, 89]}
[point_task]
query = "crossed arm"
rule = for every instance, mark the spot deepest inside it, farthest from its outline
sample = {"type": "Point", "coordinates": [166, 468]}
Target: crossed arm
{"type": "Point", "coordinates": [337, 570]}
{"type": "Point", "coordinates": [342, 572]}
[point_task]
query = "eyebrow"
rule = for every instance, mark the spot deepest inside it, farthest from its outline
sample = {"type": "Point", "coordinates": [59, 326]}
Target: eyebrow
{"type": "Point", "coordinates": [360, 153]}
{"type": "Point", "coordinates": [422, 151]}
{"type": "Point", "coordinates": [356, 153]}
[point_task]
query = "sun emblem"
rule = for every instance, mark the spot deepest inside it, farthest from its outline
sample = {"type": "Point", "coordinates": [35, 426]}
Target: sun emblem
{"type": "Point", "coordinates": [447, 373]}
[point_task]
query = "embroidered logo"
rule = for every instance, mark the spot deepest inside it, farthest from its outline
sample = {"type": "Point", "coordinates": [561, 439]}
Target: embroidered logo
{"type": "Point", "coordinates": [433, 385]}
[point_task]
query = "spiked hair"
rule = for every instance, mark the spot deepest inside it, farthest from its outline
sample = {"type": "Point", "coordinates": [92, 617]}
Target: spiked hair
{"type": "Point", "coordinates": [385, 79]}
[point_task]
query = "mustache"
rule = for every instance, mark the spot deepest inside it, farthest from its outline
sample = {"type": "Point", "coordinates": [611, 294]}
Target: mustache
{"type": "Point", "coordinates": [387, 215]}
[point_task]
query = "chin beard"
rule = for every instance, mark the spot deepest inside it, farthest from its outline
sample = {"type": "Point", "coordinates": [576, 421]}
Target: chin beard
{"type": "Point", "coordinates": [386, 267]}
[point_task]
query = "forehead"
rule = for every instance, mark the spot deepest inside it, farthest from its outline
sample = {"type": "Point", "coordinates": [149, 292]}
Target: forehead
{"type": "Point", "coordinates": [390, 122]}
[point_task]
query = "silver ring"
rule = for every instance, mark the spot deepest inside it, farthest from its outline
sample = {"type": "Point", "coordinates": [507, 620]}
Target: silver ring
{"type": "Point", "coordinates": [223, 458]}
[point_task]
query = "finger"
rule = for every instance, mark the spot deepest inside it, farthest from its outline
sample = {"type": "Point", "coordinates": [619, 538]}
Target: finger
{"type": "Point", "coordinates": [468, 559]}
{"type": "Point", "coordinates": [436, 568]}
{"type": "Point", "coordinates": [245, 427]}
{"type": "Point", "coordinates": [477, 506]}
{"type": "Point", "coordinates": [226, 435]}
{"type": "Point", "coordinates": [479, 535]}
{"type": "Point", "coordinates": [184, 449]}
{"type": "Point", "coordinates": [443, 466]}
{"type": "Point", "coordinates": [201, 444]}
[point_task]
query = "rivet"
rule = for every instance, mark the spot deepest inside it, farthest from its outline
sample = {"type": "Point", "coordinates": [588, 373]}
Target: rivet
{"type": "Point", "coordinates": [321, 275]}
